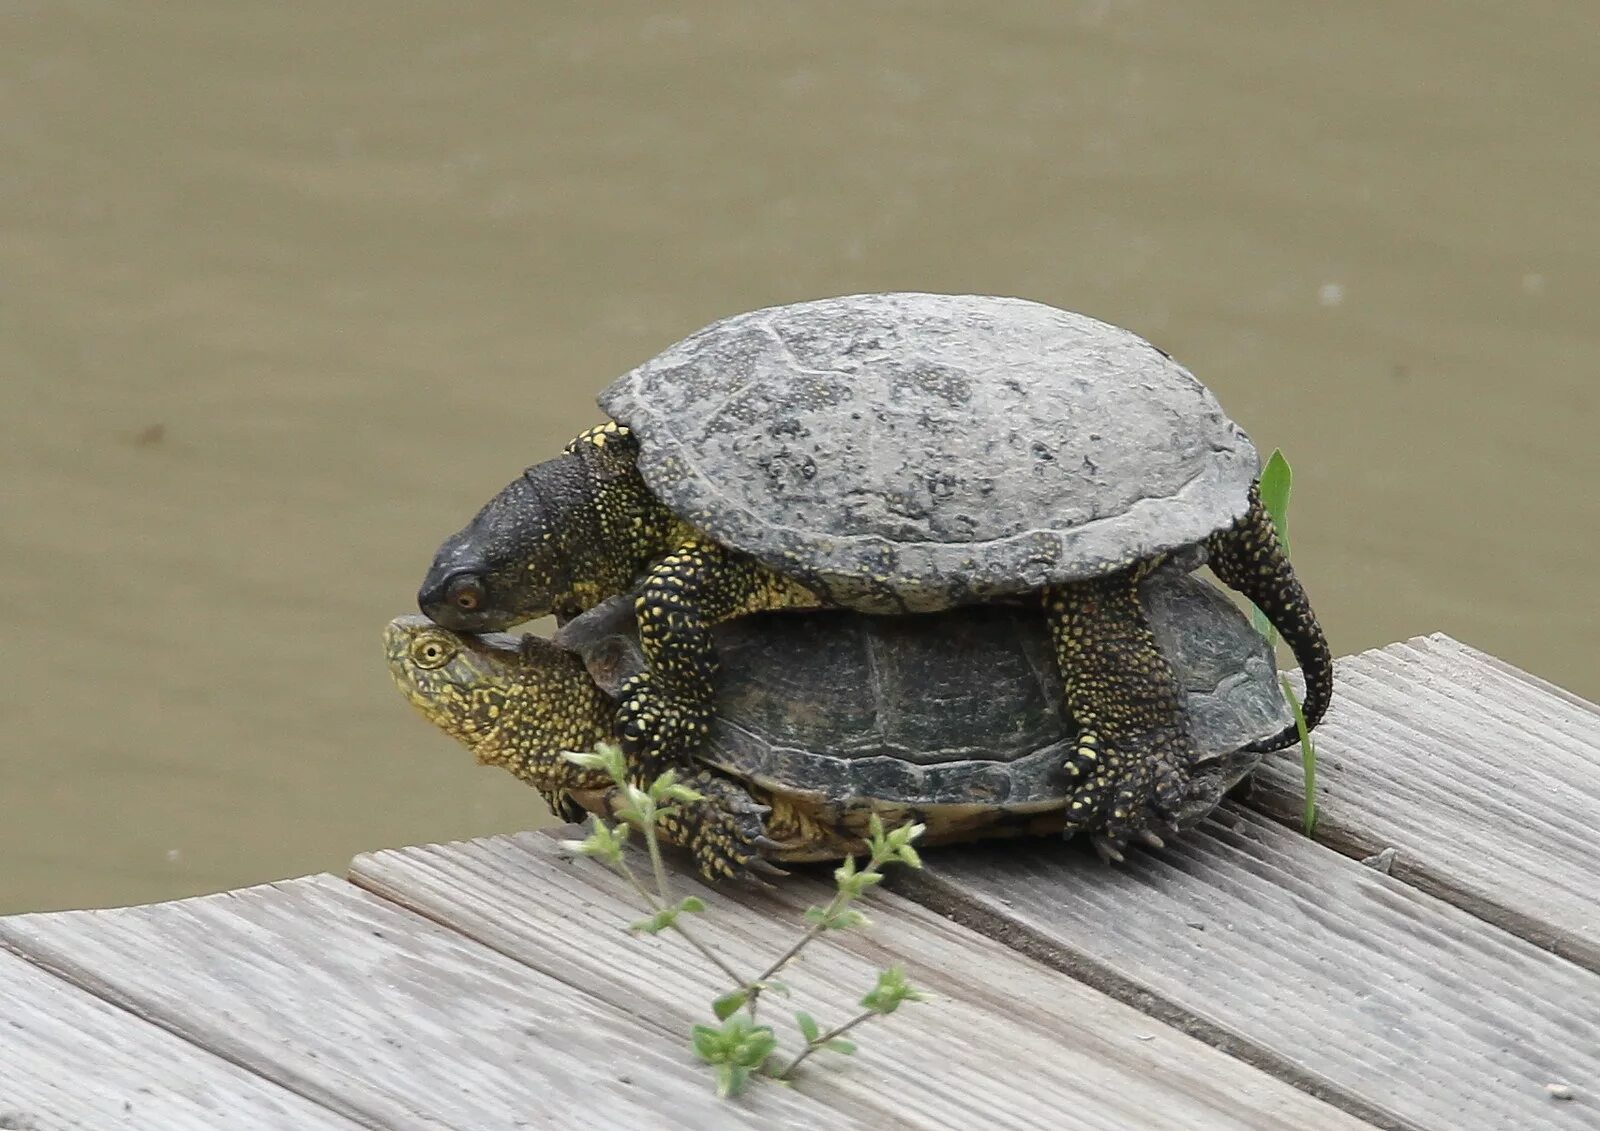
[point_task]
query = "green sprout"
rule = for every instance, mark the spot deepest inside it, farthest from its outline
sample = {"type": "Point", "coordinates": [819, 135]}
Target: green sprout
{"type": "Point", "coordinates": [737, 1047]}
{"type": "Point", "coordinates": [1277, 478]}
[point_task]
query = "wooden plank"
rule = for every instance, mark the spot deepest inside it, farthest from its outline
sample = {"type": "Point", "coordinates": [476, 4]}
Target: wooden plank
{"type": "Point", "coordinates": [386, 1017]}
{"type": "Point", "coordinates": [1007, 1043]}
{"type": "Point", "coordinates": [68, 1059]}
{"type": "Point", "coordinates": [1484, 778]}
{"type": "Point", "coordinates": [1295, 957]}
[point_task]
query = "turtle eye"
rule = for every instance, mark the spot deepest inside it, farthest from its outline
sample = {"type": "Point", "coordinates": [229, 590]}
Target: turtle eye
{"type": "Point", "coordinates": [430, 652]}
{"type": "Point", "coordinates": [465, 593]}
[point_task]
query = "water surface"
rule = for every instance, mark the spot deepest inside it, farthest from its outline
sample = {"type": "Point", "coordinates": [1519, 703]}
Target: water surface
{"type": "Point", "coordinates": [287, 290]}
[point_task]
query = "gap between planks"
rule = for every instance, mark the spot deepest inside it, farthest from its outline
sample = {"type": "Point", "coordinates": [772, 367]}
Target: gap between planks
{"type": "Point", "coordinates": [1009, 1042]}
{"type": "Point", "coordinates": [1485, 779]}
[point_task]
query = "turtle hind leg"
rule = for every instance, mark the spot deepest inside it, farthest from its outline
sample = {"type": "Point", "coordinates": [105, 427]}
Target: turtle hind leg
{"type": "Point", "coordinates": [1249, 557]}
{"type": "Point", "coordinates": [1130, 766]}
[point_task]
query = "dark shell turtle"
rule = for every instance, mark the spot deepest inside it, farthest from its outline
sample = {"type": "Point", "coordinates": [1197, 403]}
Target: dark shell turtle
{"type": "Point", "coordinates": [908, 452]}
{"type": "Point", "coordinates": [954, 719]}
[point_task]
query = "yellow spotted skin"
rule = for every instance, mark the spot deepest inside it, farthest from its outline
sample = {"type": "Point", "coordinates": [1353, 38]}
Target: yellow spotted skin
{"type": "Point", "coordinates": [579, 529]}
{"type": "Point", "coordinates": [630, 527]}
{"type": "Point", "coordinates": [1133, 754]}
{"type": "Point", "coordinates": [663, 714]}
{"type": "Point", "coordinates": [723, 831]}
{"type": "Point", "coordinates": [521, 704]}
{"type": "Point", "coordinates": [1250, 558]}
{"type": "Point", "coordinates": [517, 704]}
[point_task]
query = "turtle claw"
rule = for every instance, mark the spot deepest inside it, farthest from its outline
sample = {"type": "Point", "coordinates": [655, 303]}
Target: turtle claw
{"type": "Point", "coordinates": [1108, 847]}
{"type": "Point", "coordinates": [762, 866]}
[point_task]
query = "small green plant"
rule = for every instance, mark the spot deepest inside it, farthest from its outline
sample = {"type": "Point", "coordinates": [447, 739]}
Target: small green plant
{"type": "Point", "coordinates": [1277, 478]}
{"type": "Point", "coordinates": [738, 1047]}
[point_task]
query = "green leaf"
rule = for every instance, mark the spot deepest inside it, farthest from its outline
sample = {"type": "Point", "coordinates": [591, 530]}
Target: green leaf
{"type": "Point", "coordinates": [777, 987]}
{"type": "Point", "coordinates": [909, 857]}
{"type": "Point", "coordinates": [845, 872]}
{"type": "Point", "coordinates": [639, 799]}
{"type": "Point", "coordinates": [605, 756]}
{"type": "Point", "coordinates": [657, 923]}
{"type": "Point", "coordinates": [875, 829]}
{"type": "Point", "coordinates": [604, 841]}
{"type": "Point", "coordinates": [1277, 478]}
{"type": "Point", "coordinates": [681, 793]}
{"type": "Point", "coordinates": [708, 1043]}
{"type": "Point", "coordinates": [809, 1028]}
{"type": "Point", "coordinates": [730, 1003]}
{"type": "Point", "coordinates": [692, 903]}
{"type": "Point", "coordinates": [841, 1046]}
{"type": "Point", "coordinates": [846, 920]}
{"type": "Point", "coordinates": [892, 989]}
{"type": "Point", "coordinates": [752, 1052]}
{"type": "Point", "coordinates": [815, 915]}
{"type": "Point", "coordinates": [905, 834]}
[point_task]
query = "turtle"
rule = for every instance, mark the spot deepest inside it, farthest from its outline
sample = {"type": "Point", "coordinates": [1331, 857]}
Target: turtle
{"type": "Point", "coordinates": [826, 718]}
{"type": "Point", "coordinates": [898, 453]}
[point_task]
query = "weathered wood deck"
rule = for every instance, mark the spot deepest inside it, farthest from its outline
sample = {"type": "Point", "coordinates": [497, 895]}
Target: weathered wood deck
{"type": "Point", "coordinates": [1244, 978]}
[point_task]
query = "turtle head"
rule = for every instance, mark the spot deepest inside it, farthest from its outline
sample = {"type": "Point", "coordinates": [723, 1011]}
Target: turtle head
{"type": "Point", "coordinates": [517, 702]}
{"type": "Point", "coordinates": [514, 561]}
{"type": "Point", "coordinates": [566, 534]}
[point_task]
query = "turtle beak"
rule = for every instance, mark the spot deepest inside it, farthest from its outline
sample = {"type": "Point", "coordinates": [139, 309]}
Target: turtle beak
{"type": "Point", "coordinates": [434, 599]}
{"type": "Point", "coordinates": [397, 637]}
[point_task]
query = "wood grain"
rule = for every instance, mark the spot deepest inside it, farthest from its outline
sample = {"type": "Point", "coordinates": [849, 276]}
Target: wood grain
{"type": "Point", "coordinates": [68, 1059]}
{"type": "Point", "coordinates": [385, 1017]}
{"type": "Point", "coordinates": [1484, 778]}
{"type": "Point", "coordinates": [1007, 1043]}
{"type": "Point", "coordinates": [1356, 985]}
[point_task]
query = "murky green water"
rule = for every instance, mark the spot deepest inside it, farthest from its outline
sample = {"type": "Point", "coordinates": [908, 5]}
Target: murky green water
{"type": "Point", "coordinates": [286, 290]}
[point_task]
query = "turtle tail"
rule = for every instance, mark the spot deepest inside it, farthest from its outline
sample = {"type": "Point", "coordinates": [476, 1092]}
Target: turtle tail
{"type": "Point", "coordinates": [1249, 557]}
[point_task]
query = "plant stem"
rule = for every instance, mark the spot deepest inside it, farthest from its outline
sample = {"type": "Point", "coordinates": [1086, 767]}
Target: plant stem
{"type": "Point", "coordinates": [838, 904]}
{"type": "Point", "coordinates": [1308, 760]}
{"type": "Point", "coordinates": [823, 1039]}
{"type": "Point", "coordinates": [657, 866]}
{"type": "Point", "coordinates": [660, 903]}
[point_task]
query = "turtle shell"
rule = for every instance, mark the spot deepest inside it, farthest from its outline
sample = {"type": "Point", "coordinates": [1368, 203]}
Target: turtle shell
{"type": "Point", "coordinates": [960, 710]}
{"type": "Point", "coordinates": [910, 452]}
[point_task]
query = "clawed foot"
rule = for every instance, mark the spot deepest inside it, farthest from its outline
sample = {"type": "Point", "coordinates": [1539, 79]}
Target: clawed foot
{"type": "Point", "coordinates": [1122, 798]}
{"type": "Point", "coordinates": [725, 831]}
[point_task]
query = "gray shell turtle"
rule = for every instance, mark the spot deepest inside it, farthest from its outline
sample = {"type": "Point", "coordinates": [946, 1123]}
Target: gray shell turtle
{"type": "Point", "coordinates": [832, 716]}
{"type": "Point", "coordinates": [910, 452]}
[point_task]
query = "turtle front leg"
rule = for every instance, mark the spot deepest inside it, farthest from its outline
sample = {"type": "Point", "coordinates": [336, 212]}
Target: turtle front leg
{"type": "Point", "coordinates": [1130, 768]}
{"type": "Point", "coordinates": [665, 712]}
{"type": "Point", "coordinates": [725, 831]}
